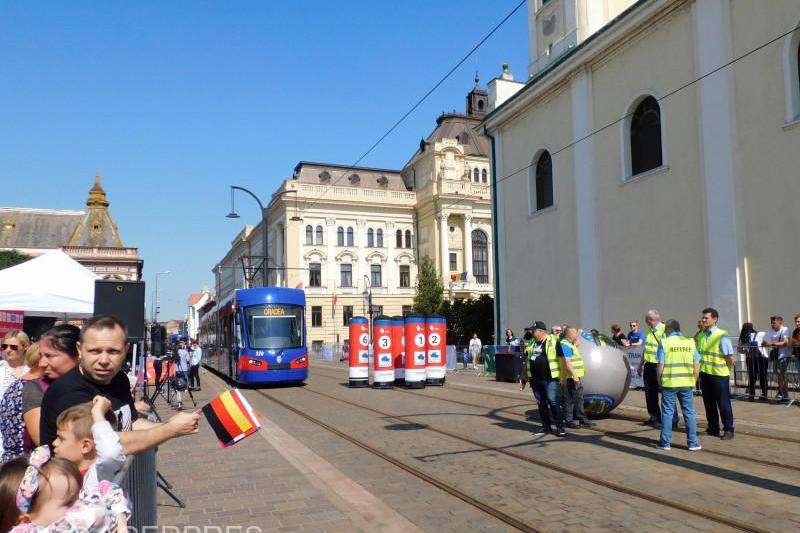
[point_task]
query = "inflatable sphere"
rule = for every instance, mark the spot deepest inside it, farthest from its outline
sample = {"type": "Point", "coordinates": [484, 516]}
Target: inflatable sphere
{"type": "Point", "coordinates": [608, 376]}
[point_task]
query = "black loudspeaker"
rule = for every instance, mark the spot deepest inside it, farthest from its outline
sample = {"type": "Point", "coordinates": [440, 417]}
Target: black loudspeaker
{"type": "Point", "coordinates": [158, 340]}
{"type": "Point", "coordinates": [124, 300]}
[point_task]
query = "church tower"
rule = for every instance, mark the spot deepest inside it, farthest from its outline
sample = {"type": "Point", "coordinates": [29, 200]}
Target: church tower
{"type": "Point", "coordinates": [477, 100]}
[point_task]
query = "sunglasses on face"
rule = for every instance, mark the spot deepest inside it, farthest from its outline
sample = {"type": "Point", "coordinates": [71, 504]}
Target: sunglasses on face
{"type": "Point", "coordinates": [7, 346]}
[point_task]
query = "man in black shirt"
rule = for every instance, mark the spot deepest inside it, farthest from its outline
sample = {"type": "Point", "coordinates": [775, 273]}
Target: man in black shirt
{"type": "Point", "coordinates": [102, 348]}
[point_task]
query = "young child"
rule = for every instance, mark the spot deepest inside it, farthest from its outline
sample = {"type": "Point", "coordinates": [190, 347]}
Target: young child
{"type": "Point", "coordinates": [43, 495]}
{"type": "Point", "coordinates": [87, 439]}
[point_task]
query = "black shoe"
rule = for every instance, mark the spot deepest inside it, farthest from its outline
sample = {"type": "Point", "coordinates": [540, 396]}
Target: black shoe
{"type": "Point", "coordinates": [544, 431]}
{"type": "Point", "coordinates": [572, 424]}
{"type": "Point", "coordinates": [674, 426]}
{"type": "Point", "coordinates": [728, 435]}
{"type": "Point", "coordinates": [587, 423]}
{"type": "Point", "coordinates": [560, 432]}
{"type": "Point", "coordinates": [712, 432]}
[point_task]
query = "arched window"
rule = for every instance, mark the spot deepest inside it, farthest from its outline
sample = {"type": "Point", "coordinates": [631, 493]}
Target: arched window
{"type": "Point", "coordinates": [379, 237]}
{"type": "Point", "coordinates": [484, 176]}
{"type": "Point", "coordinates": [340, 236]}
{"type": "Point", "coordinates": [320, 240]}
{"type": "Point", "coordinates": [408, 238]}
{"type": "Point", "coordinates": [349, 236]}
{"type": "Point", "coordinates": [309, 235]}
{"type": "Point", "coordinates": [476, 175]}
{"type": "Point", "coordinates": [540, 183]}
{"type": "Point", "coordinates": [370, 238]}
{"type": "Point", "coordinates": [399, 238]}
{"type": "Point", "coordinates": [645, 136]}
{"type": "Point", "coordinates": [480, 256]}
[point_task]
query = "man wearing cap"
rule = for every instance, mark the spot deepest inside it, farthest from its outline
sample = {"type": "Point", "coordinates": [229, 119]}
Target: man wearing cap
{"type": "Point", "coordinates": [544, 373]}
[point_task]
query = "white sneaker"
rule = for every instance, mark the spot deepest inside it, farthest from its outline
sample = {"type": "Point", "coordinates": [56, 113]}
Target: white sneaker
{"type": "Point", "coordinates": [695, 448]}
{"type": "Point", "coordinates": [665, 448]}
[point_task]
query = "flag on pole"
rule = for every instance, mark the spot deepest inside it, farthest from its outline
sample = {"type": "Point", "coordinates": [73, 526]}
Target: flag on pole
{"type": "Point", "coordinates": [463, 276]}
{"type": "Point", "coordinates": [231, 417]}
{"type": "Point", "coordinates": [453, 277]}
{"type": "Point", "coordinates": [335, 299]}
{"type": "Point", "coordinates": [299, 285]}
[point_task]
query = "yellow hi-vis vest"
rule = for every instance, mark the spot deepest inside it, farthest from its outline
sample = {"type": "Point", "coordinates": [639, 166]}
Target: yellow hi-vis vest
{"type": "Point", "coordinates": [712, 360]}
{"type": "Point", "coordinates": [678, 362]}
{"type": "Point", "coordinates": [578, 370]}
{"type": "Point", "coordinates": [651, 341]}
{"type": "Point", "coordinates": [549, 352]}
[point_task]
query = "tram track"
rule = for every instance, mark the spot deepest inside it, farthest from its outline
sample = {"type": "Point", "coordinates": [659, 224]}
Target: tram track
{"type": "Point", "coordinates": [419, 474]}
{"type": "Point", "coordinates": [614, 486]}
{"type": "Point", "coordinates": [616, 416]}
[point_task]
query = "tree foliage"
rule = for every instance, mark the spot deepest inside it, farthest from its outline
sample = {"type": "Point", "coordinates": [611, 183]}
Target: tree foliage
{"type": "Point", "coordinates": [9, 258]}
{"type": "Point", "coordinates": [430, 290]}
{"type": "Point", "coordinates": [465, 317]}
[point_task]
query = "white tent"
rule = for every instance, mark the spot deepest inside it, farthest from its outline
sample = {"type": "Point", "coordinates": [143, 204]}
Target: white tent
{"type": "Point", "coordinates": [52, 284]}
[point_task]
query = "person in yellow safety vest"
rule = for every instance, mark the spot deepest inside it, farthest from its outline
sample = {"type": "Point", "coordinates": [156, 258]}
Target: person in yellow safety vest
{"type": "Point", "coordinates": [572, 379]}
{"type": "Point", "coordinates": [716, 361]}
{"type": "Point", "coordinates": [543, 371]}
{"type": "Point", "coordinates": [649, 368]}
{"type": "Point", "coordinates": [678, 368]}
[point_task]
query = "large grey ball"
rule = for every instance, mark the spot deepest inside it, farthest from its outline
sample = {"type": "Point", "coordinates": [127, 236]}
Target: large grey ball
{"type": "Point", "coordinates": [608, 376]}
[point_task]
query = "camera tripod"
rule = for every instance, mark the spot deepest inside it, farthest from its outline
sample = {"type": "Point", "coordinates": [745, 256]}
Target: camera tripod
{"type": "Point", "coordinates": [169, 381]}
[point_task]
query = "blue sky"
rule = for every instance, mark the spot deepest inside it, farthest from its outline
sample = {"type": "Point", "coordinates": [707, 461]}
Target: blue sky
{"type": "Point", "coordinates": [173, 101]}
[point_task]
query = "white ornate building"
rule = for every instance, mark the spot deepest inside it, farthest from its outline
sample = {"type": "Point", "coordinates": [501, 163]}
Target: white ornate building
{"type": "Point", "coordinates": [338, 230]}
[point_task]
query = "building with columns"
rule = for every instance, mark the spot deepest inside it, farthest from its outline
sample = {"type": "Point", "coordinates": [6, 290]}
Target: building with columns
{"type": "Point", "coordinates": [339, 231]}
{"type": "Point", "coordinates": [659, 163]}
{"type": "Point", "coordinates": [89, 236]}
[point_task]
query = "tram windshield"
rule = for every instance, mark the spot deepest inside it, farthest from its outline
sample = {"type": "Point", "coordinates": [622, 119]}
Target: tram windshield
{"type": "Point", "coordinates": [271, 327]}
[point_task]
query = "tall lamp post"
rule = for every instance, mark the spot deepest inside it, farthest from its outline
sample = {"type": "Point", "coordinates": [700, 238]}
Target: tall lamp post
{"type": "Point", "coordinates": [368, 298]}
{"type": "Point", "coordinates": [264, 227]}
{"type": "Point", "coordinates": [154, 314]}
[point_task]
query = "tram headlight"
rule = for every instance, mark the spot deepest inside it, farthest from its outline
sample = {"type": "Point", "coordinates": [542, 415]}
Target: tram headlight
{"type": "Point", "coordinates": [300, 362]}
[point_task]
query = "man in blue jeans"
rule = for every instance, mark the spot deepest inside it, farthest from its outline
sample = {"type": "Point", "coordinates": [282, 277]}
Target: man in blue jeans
{"type": "Point", "coordinates": [678, 369]}
{"type": "Point", "coordinates": [544, 369]}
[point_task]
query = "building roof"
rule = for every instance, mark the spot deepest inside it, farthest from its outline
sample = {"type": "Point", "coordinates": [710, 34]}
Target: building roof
{"type": "Point", "coordinates": [348, 176]}
{"type": "Point", "coordinates": [456, 126]}
{"type": "Point", "coordinates": [194, 298]}
{"type": "Point", "coordinates": [22, 228]}
{"type": "Point", "coordinates": [37, 228]}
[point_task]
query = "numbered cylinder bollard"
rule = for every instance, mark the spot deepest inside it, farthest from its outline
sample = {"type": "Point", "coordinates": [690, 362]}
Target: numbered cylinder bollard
{"type": "Point", "coordinates": [382, 360]}
{"type": "Point", "coordinates": [435, 368]}
{"type": "Point", "coordinates": [415, 349]}
{"type": "Point", "coordinates": [359, 352]}
{"type": "Point", "coordinates": [398, 349]}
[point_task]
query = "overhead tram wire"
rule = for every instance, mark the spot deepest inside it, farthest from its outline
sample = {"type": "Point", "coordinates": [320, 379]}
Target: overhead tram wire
{"type": "Point", "coordinates": [628, 115]}
{"type": "Point", "coordinates": [418, 103]}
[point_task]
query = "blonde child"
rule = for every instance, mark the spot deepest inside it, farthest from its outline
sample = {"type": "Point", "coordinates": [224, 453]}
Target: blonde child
{"type": "Point", "coordinates": [43, 495]}
{"type": "Point", "coordinates": [87, 439]}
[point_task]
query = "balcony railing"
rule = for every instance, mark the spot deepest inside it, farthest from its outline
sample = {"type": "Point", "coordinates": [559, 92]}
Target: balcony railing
{"type": "Point", "coordinates": [357, 193]}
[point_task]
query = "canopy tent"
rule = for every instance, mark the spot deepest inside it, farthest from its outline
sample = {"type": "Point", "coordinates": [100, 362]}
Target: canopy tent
{"type": "Point", "coordinates": [52, 284]}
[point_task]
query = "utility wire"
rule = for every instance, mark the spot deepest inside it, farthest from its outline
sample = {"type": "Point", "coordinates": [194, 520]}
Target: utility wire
{"type": "Point", "coordinates": [628, 115]}
{"type": "Point", "coordinates": [418, 103]}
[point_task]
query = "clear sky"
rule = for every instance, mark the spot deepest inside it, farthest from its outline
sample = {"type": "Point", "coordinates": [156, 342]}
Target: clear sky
{"type": "Point", "coordinates": [174, 101]}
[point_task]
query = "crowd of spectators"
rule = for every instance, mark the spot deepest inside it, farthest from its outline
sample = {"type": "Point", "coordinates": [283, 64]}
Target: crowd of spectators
{"type": "Point", "coordinates": [68, 421]}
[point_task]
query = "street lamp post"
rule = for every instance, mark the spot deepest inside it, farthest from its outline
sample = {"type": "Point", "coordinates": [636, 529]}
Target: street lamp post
{"type": "Point", "coordinates": [154, 314]}
{"type": "Point", "coordinates": [264, 227]}
{"type": "Point", "coordinates": [368, 297]}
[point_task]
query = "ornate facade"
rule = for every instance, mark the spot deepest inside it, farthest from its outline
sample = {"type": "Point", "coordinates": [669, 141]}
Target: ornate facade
{"type": "Point", "coordinates": [91, 236]}
{"type": "Point", "coordinates": [340, 231]}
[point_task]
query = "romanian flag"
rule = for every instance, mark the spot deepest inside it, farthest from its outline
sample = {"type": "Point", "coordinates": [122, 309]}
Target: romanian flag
{"type": "Point", "coordinates": [231, 417]}
{"type": "Point", "coordinates": [463, 276]}
{"type": "Point", "coordinates": [458, 277]}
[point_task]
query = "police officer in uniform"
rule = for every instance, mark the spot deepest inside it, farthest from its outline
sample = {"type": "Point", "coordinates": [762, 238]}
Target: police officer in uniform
{"type": "Point", "coordinates": [678, 368]}
{"type": "Point", "coordinates": [716, 361]}
{"type": "Point", "coordinates": [655, 331]}
{"type": "Point", "coordinates": [543, 370]}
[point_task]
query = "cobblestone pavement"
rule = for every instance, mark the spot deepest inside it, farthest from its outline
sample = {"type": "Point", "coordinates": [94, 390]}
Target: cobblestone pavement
{"type": "Point", "coordinates": [333, 485]}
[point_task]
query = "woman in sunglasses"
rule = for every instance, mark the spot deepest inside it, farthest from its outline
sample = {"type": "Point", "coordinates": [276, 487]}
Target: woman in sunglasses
{"type": "Point", "coordinates": [13, 365]}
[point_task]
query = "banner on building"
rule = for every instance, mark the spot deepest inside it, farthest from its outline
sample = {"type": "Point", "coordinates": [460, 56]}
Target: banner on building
{"type": "Point", "coordinates": [10, 320]}
{"type": "Point", "coordinates": [635, 357]}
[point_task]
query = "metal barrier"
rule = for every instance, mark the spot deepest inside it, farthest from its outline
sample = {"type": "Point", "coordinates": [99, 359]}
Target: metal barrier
{"type": "Point", "coordinates": [138, 481]}
{"type": "Point", "coordinates": [746, 376]}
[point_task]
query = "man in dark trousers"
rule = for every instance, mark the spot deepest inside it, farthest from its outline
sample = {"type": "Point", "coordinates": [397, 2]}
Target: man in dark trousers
{"type": "Point", "coordinates": [544, 369]}
{"type": "Point", "coordinates": [102, 349]}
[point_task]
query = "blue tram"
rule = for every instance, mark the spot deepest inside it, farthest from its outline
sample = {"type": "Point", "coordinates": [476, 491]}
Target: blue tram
{"type": "Point", "coordinates": [257, 336]}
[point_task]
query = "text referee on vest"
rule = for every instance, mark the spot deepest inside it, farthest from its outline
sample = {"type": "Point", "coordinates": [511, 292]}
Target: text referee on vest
{"type": "Point", "coordinates": [716, 361]}
{"type": "Point", "coordinates": [678, 367]}
{"type": "Point", "coordinates": [652, 338]}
